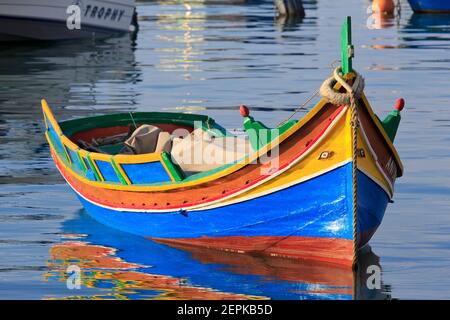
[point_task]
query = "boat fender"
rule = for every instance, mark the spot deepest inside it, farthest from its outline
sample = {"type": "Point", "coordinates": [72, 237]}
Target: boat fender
{"type": "Point", "coordinates": [383, 6]}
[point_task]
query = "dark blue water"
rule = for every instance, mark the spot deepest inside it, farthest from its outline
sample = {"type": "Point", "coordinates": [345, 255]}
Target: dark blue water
{"type": "Point", "coordinates": [209, 59]}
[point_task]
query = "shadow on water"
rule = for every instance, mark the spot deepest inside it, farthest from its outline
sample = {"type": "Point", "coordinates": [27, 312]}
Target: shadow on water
{"type": "Point", "coordinates": [125, 266]}
{"type": "Point", "coordinates": [73, 76]}
{"type": "Point", "coordinates": [288, 23]}
{"type": "Point", "coordinates": [63, 71]}
{"type": "Point", "coordinates": [436, 22]}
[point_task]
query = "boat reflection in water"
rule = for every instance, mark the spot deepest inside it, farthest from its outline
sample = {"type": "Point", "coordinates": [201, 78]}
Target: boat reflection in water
{"type": "Point", "coordinates": [435, 23]}
{"type": "Point", "coordinates": [380, 20]}
{"type": "Point", "coordinates": [116, 265]}
{"type": "Point", "coordinates": [427, 31]}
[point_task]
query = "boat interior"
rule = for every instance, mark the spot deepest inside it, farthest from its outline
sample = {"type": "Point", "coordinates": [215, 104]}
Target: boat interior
{"type": "Point", "coordinates": [195, 143]}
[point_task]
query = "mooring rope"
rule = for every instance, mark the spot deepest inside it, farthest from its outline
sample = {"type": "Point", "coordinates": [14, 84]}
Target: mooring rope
{"type": "Point", "coordinates": [348, 98]}
{"type": "Point", "coordinates": [301, 107]}
{"type": "Point", "coordinates": [355, 125]}
{"type": "Point", "coordinates": [132, 119]}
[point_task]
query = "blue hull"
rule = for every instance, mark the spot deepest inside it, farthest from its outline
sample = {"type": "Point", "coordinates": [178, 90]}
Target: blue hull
{"type": "Point", "coordinates": [430, 5]}
{"type": "Point", "coordinates": [318, 208]}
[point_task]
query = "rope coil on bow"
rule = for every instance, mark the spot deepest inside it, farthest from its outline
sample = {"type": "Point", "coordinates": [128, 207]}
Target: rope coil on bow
{"type": "Point", "coordinates": [339, 98]}
{"type": "Point", "coordinates": [349, 98]}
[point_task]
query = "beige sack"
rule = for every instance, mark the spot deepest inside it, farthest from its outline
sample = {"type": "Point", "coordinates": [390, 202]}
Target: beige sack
{"type": "Point", "coordinates": [164, 142]}
{"type": "Point", "coordinates": [144, 139]}
{"type": "Point", "coordinates": [200, 151]}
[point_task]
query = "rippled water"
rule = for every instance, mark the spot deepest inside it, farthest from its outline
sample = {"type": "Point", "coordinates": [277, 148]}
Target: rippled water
{"type": "Point", "coordinates": [210, 58]}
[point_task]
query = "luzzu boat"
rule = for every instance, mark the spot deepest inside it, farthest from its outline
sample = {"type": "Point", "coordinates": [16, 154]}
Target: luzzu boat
{"type": "Point", "coordinates": [322, 196]}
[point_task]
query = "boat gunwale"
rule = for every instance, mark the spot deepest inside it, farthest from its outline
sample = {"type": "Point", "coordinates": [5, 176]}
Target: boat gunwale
{"type": "Point", "coordinates": [228, 198]}
{"type": "Point", "coordinates": [153, 157]}
{"type": "Point", "coordinates": [203, 176]}
{"type": "Point", "coordinates": [339, 113]}
{"type": "Point", "coordinates": [383, 133]}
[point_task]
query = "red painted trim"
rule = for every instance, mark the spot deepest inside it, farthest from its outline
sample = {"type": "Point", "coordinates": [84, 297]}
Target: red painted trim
{"type": "Point", "coordinates": [326, 250]}
{"type": "Point", "coordinates": [90, 134]}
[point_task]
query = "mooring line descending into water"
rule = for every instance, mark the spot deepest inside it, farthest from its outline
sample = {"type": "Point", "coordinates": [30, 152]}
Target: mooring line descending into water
{"type": "Point", "coordinates": [355, 125]}
{"type": "Point", "coordinates": [349, 98]}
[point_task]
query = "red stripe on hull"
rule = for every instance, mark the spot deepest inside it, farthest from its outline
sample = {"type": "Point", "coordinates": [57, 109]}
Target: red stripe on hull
{"type": "Point", "coordinates": [328, 250]}
{"type": "Point", "coordinates": [88, 135]}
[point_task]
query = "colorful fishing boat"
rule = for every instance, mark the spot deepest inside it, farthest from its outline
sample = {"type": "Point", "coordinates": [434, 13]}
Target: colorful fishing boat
{"type": "Point", "coordinates": [430, 6]}
{"type": "Point", "coordinates": [315, 188]}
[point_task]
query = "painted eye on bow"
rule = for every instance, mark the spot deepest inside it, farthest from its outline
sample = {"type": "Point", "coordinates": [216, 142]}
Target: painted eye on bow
{"type": "Point", "coordinates": [326, 155]}
{"type": "Point", "coordinates": [361, 153]}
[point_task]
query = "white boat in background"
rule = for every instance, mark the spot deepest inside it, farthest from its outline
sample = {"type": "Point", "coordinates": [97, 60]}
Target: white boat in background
{"type": "Point", "coordinates": [47, 19]}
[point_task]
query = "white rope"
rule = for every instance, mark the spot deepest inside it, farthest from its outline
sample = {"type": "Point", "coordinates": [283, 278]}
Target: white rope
{"type": "Point", "coordinates": [339, 98]}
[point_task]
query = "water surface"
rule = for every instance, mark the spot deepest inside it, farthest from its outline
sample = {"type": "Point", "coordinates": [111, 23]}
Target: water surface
{"type": "Point", "coordinates": [210, 58]}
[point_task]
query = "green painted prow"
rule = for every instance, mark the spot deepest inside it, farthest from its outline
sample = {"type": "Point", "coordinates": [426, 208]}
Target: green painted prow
{"type": "Point", "coordinates": [259, 134]}
{"type": "Point", "coordinates": [347, 49]}
{"type": "Point", "coordinates": [391, 123]}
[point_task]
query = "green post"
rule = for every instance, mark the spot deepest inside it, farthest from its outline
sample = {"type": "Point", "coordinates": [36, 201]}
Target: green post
{"type": "Point", "coordinates": [347, 50]}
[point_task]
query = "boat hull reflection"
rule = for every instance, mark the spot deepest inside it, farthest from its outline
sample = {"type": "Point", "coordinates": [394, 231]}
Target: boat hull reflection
{"type": "Point", "coordinates": [124, 266]}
